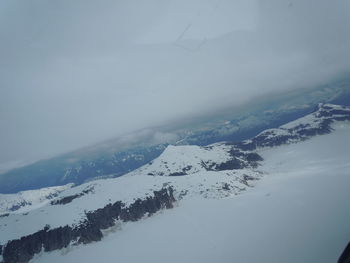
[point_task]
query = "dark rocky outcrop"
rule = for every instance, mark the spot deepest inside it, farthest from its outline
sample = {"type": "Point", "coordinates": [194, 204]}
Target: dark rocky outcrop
{"type": "Point", "coordinates": [226, 187]}
{"type": "Point", "coordinates": [66, 199]}
{"type": "Point", "coordinates": [178, 174]}
{"type": "Point", "coordinates": [88, 232]}
{"type": "Point", "coordinates": [249, 178]}
{"type": "Point", "coordinates": [329, 111]}
{"type": "Point", "coordinates": [239, 160]}
{"type": "Point", "coordinates": [22, 250]}
{"type": "Point", "coordinates": [265, 139]}
{"type": "Point", "coordinates": [253, 157]}
{"type": "Point", "coordinates": [183, 172]}
{"type": "Point", "coordinates": [70, 198]}
{"type": "Point", "coordinates": [323, 117]}
{"type": "Point", "coordinates": [4, 215]}
{"type": "Point", "coordinates": [19, 205]}
{"type": "Point", "coordinates": [345, 256]}
{"type": "Point", "coordinates": [242, 152]}
{"type": "Point", "coordinates": [232, 164]}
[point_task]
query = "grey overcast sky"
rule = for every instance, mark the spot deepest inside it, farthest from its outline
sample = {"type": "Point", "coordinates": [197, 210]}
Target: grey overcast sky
{"type": "Point", "coordinates": [76, 72]}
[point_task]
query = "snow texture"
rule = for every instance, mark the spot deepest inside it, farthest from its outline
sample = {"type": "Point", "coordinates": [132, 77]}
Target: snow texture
{"type": "Point", "coordinates": [29, 200]}
{"type": "Point", "coordinates": [298, 213]}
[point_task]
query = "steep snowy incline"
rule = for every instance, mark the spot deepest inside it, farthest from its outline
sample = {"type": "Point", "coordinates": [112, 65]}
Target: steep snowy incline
{"type": "Point", "coordinates": [300, 213]}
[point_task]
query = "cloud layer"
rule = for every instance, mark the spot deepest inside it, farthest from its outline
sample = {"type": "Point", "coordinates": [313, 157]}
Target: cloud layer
{"type": "Point", "coordinates": [76, 72]}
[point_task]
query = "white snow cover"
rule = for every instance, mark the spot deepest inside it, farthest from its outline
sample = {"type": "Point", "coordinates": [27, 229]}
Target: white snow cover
{"type": "Point", "coordinates": [176, 158]}
{"type": "Point", "coordinates": [126, 189]}
{"type": "Point", "coordinates": [308, 122]}
{"type": "Point", "coordinates": [27, 200]}
{"type": "Point", "coordinates": [299, 212]}
{"type": "Point", "coordinates": [313, 120]}
{"type": "Point", "coordinates": [211, 224]}
{"type": "Point", "coordinates": [274, 132]}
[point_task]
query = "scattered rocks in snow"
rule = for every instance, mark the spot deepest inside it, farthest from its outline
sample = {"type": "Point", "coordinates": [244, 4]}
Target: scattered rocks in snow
{"type": "Point", "coordinates": [26, 199]}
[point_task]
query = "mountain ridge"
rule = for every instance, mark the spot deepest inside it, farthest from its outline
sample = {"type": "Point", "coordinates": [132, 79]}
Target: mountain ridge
{"type": "Point", "coordinates": [119, 156]}
{"type": "Point", "coordinates": [209, 177]}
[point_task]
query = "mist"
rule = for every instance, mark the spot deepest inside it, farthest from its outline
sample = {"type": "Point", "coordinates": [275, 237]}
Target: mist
{"type": "Point", "coordinates": [73, 73]}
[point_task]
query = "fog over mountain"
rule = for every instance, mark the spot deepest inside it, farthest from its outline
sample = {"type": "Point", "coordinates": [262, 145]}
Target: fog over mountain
{"type": "Point", "coordinates": [76, 72]}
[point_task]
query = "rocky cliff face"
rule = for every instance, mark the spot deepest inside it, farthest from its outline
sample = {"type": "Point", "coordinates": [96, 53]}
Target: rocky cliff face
{"type": "Point", "coordinates": [22, 250]}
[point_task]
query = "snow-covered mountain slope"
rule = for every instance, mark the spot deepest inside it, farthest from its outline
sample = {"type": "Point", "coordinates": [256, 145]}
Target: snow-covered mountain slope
{"type": "Point", "coordinates": [191, 159]}
{"type": "Point", "coordinates": [125, 189]}
{"type": "Point", "coordinates": [82, 214]}
{"type": "Point", "coordinates": [28, 200]}
{"type": "Point", "coordinates": [316, 123]}
{"type": "Point", "coordinates": [299, 213]}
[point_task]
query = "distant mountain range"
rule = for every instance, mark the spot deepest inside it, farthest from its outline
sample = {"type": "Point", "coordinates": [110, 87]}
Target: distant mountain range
{"type": "Point", "coordinates": [116, 157]}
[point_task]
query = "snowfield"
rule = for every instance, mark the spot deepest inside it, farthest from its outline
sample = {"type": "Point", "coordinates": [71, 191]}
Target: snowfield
{"type": "Point", "coordinates": [28, 200]}
{"type": "Point", "coordinates": [280, 197]}
{"type": "Point", "coordinates": [176, 158]}
{"type": "Point", "coordinates": [126, 189]}
{"type": "Point", "coordinates": [298, 212]}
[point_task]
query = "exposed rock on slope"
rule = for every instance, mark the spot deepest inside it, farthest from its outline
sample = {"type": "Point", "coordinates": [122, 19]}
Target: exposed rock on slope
{"type": "Point", "coordinates": [185, 160]}
{"type": "Point", "coordinates": [25, 200]}
{"type": "Point", "coordinates": [316, 123]}
{"type": "Point", "coordinates": [70, 198]}
{"type": "Point", "coordinates": [22, 250]}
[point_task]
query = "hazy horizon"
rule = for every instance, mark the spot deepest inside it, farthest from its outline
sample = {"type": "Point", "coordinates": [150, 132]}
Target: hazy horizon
{"type": "Point", "coordinates": [76, 73]}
